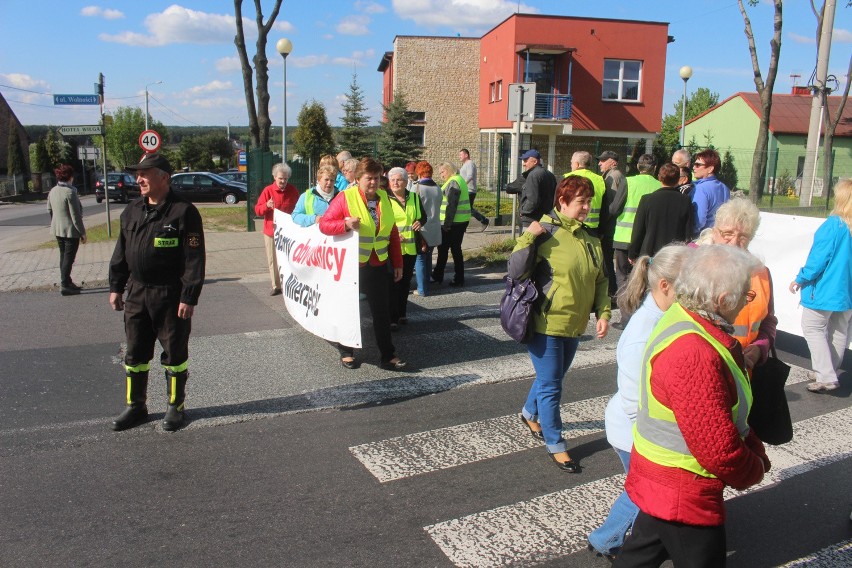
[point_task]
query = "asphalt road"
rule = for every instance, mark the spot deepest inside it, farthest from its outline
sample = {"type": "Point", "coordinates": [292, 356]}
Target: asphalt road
{"type": "Point", "coordinates": [291, 460]}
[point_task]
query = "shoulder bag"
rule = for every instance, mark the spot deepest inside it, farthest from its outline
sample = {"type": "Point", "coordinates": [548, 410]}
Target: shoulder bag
{"type": "Point", "coordinates": [769, 416]}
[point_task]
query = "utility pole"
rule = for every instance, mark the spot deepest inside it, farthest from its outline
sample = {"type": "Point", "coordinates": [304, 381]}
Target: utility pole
{"type": "Point", "coordinates": [819, 98]}
{"type": "Point", "coordinates": [100, 93]}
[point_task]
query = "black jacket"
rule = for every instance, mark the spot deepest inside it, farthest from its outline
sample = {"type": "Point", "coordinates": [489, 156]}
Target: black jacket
{"type": "Point", "coordinates": [162, 245]}
{"type": "Point", "coordinates": [537, 187]}
{"type": "Point", "coordinates": [662, 217]}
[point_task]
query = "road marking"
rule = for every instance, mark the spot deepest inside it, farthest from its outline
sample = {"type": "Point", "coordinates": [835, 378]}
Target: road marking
{"type": "Point", "coordinates": [556, 525]}
{"type": "Point", "coordinates": [434, 450]}
{"type": "Point", "coordinates": [839, 554]}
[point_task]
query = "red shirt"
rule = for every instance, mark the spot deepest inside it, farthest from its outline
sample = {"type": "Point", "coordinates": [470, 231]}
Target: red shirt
{"type": "Point", "coordinates": [282, 199]}
{"type": "Point", "coordinates": [691, 379]}
{"type": "Point", "coordinates": [334, 223]}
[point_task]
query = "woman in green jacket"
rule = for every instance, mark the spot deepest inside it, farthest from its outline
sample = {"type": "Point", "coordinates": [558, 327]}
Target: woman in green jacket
{"type": "Point", "coordinates": [565, 263]}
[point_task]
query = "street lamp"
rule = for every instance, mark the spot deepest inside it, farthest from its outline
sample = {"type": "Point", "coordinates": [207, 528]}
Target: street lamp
{"type": "Point", "coordinates": [146, 100]}
{"type": "Point", "coordinates": [284, 47]}
{"type": "Point", "coordinates": [685, 74]}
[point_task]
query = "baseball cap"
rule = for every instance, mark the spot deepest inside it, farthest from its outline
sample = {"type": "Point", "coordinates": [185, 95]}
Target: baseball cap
{"type": "Point", "coordinates": [531, 154]}
{"type": "Point", "coordinates": [607, 155]}
{"type": "Point", "coordinates": [152, 161]}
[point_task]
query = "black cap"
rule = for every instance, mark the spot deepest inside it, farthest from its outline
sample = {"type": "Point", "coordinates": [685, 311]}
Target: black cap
{"type": "Point", "coordinates": [608, 155]}
{"type": "Point", "coordinates": [152, 161]}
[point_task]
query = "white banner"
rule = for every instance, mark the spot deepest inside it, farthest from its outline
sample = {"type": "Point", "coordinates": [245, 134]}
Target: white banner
{"type": "Point", "coordinates": [319, 279]}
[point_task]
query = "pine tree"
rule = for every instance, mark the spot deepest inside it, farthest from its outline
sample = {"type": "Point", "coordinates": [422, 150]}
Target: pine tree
{"type": "Point", "coordinates": [16, 163]}
{"type": "Point", "coordinates": [354, 135]}
{"type": "Point", "coordinates": [313, 137]}
{"type": "Point", "coordinates": [397, 143]}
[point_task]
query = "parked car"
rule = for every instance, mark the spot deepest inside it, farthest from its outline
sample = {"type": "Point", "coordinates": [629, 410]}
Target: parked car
{"type": "Point", "coordinates": [232, 175]}
{"type": "Point", "coordinates": [207, 186]}
{"type": "Point", "coordinates": [120, 187]}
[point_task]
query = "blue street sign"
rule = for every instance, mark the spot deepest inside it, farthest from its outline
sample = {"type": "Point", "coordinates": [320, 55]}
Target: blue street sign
{"type": "Point", "coordinates": [76, 99]}
{"type": "Point", "coordinates": [241, 157]}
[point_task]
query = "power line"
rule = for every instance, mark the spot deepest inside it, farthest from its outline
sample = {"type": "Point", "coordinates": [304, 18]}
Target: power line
{"type": "Point", "coordinates": [173, 113]}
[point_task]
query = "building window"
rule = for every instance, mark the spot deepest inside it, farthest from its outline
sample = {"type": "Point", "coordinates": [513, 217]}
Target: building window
{"type": "Point", "coordinates": [493, 87]}
{"type": "Point", "coordinates": [500, 90]}
{"type": "Point", "coordinates": [496, 91]}
{"type": "Point", "coordinates": [417, 127]}
{"type": "Point", "coordinates": [621, 80]}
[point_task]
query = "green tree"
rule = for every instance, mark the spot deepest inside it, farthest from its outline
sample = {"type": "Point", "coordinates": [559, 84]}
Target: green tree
{"type": "Point", "coordinates": [123, 128]}
{"type": "Point", "coordinates": [217, 145]}
{"type": "Point", "coordinates": [16, 163]}
{"type": "Point", "coordinates": [57, 150]}
{"type": "Point", "coordinates": [313, 137]}
{"type": "Point", "coordinates": [701, 100]}
{"type": "Point", "coordinates": [354, 135]}
{"type": "Point", "coordinates": [728, 171]}
{"type": "Point", "coordinates": [38, 157]}
{"type": "Point", "coordinates": [397, 142]}
{"type": "Point", "coordinates": [194, 154]}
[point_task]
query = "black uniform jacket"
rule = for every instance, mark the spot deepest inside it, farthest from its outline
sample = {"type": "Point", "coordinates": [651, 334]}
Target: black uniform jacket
{"type": "Point", "coordinates": [161, 247]}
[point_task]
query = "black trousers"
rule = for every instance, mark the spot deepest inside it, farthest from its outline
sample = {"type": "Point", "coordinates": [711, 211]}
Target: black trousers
{"type": "Point", "coordinates": [473, 212]}
{"type": "Point", "coordinates": [399, 290]}
{"type": "Point", "coordinates": [150, 314]}
{"type": "Point", "coordinates": [653, 541]}
{"type": "Point", "coordinates": [451, 242]}
{"type": "Point", "coordinates": [609, 264]}
{"type": "Point", "coordinates": [622, 268]}
{"type": "Point", "coordinates": [375, 281]}
{"type": "Point", "coordinates": [67, 255]}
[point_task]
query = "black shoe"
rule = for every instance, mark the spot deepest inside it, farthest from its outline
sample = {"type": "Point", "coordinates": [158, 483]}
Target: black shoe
{"type": "Point", "coordinates": [349, 364]}
{"type": "Point", "coordinates": [457, 284]}
{"type": "Point", "coordinates": [485, 225]}
{"type": "Point", "coordinates": [275, 292]}
{"type": "Point", "coordinates": [175, 418]}
{"type": "Point", "coordinates": [69, 291]}
{"type": "Point", "coordinates": [596, 552]}
{"type": "Point", "coordinates": [73, 286]}
{"type": "Point", "coordinates": [394, 327]}
{"type": "Point", "coordinates": [398, 365]}
{"type": "Point", "coordinates": [434, 280]}
{"type": "Point", "coordinates": [619, 326]}
{"type": "Point", "coordinates": [570, 466]}
{"type": "Point", "coordinates": [132, 416]}
{"type": "Point", "coordinates": [537, 434]}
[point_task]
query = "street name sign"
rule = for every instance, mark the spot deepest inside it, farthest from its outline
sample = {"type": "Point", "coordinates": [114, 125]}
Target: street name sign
{"type": "Point", "coordinates": [82, 130]}
{"type": "Point", "coordinates": [76, 99]}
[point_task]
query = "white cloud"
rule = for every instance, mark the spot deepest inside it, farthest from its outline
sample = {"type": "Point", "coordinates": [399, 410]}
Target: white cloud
{"type": "Point", "coordinates": [370, 7]}
{"type": "Point", "coordinates": [459, 15]}
{"type": "Point", "coordinates": [357, 58]}
{"type": "Point", "coordinates": [98, 12]}
{"type": "Point", "coordinates": [306, 61]}
{"type": "Point", "coordinates": [354, 25]}
{"type": "Point", "coordinates": [22, 81]}
{"type": "Point", "coordinates": [177, 24]}
{"type": "Point", "coordinates": [211, 86]}
{"type": "Point", "coordinates": [328, 36]}
{"type": "Point", "coordinates": [228, 64]}
{"type": "Point", "coordinates": [800, 38]}
{"type": "Point", "coordinates": [841, 36]}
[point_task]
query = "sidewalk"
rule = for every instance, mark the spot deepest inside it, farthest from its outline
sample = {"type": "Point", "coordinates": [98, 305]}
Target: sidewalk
{"type": "Point", "coordinates": [228, 254]}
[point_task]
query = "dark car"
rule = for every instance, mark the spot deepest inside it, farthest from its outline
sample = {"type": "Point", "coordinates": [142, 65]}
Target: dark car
{"type": "Point", "coordinates": [241, 177]}
{"type": "Point", "coordinates": [120, 187]}
{"type": "Point", "coordinates": [207, 186]}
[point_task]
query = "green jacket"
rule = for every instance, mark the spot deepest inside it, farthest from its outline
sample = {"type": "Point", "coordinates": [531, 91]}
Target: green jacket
{"type": "Point", "coordinates": [565, 263]}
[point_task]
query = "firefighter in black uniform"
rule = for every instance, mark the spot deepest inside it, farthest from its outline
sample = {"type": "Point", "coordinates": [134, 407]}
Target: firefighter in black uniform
{"type": "Point", "coordinates": [159, 261]}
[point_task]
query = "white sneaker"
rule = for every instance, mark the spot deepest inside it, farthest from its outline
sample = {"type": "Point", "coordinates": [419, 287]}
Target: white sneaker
{"type": "Point", "coordinates": [823, 387]}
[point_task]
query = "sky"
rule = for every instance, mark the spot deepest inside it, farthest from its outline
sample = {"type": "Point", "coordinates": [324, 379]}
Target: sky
{"type": "Point", "coordinates": [183, 51]}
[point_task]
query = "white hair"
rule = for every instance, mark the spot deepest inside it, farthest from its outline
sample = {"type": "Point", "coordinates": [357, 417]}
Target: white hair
{"type": "Point", "coordinates": [398, 172]}
{"type": "Point", "coordinates": [714, 271]}
{"type": "Point", "coordinates": [581, 158]}
{"type": "Point", "coordinates": [281, 168]}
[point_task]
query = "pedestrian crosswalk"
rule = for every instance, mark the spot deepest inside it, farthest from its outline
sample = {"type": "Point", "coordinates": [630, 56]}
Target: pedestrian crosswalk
{"type": "Point", "coordinates": [552, 526]}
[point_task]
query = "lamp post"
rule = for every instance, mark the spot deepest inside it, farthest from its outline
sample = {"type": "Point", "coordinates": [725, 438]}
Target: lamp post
{"type": "Point", "coordinates": [146, 100]}
{"type": "Point", "coordinates": [685, 74]}
{"type": "Point", "coordinates": [284, 47]}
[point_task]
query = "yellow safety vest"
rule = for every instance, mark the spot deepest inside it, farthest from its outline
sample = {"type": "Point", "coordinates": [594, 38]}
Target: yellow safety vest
{"type": "Point", "coordinates": [463, 208]}
{"type": "Point", "coordinates": [637, 188]}
{"type": "Point", "coordinates": [594, 217]}
{"type": "Point", "coordinates": [404, 219]}
{"type": "Point", "coordinates": [752, 315]}
{"type": "Point", "coordinates": [656, 435]}
{"type": "Point", "coordinates": [369, 239]}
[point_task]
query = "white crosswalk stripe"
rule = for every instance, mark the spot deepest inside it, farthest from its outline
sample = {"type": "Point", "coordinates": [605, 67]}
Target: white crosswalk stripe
{"type": "Point", "coordinates": [555, 525]}
{"type": "Point", "coordinates": [839, 554]}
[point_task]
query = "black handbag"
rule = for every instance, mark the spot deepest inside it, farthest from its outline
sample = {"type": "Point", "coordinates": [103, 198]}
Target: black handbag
{"type": "Point", "coordinates": [769, 415]}
{"type": "Point", "coordinates": [516, 308]}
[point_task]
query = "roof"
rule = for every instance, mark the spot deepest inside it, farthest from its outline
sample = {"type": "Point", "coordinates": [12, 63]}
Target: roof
{"type": "Point", "coordinates": [791, 114]}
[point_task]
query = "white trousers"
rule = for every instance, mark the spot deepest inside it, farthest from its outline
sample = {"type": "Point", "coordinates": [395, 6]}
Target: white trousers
{"type": "Point", "coordinates": [274, 275]}
{"type": "Point", "coordinates": [827, 334]}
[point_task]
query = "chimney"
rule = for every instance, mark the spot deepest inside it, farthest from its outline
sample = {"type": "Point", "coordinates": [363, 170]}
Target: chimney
{"type": "Point", "coordinates": [801, 91]}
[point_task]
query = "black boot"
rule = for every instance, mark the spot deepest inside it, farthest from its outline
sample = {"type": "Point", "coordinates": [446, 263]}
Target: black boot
{"type": "Point", "coordinates": [176, 388]}
{"type": "Point", "coordinates": [136, 412]}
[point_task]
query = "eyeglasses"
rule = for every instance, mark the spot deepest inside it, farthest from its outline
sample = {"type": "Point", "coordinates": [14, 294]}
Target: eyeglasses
{"type": "Point", "coordinates": [698, 165]}
{"type": "Point", "coordinates": [730, 235]}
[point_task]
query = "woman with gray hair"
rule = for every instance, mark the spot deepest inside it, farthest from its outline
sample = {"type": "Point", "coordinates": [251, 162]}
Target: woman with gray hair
{"type": "Point", "coordinates": [692, 437]}
{"type": "Point", "coordinates": [409, 217]}
{"type": "Point", "coordinates": [277, 195]}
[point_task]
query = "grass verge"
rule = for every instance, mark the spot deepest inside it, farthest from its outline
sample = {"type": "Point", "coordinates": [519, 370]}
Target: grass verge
{"type": "Point", "coordinates": [494, 253]}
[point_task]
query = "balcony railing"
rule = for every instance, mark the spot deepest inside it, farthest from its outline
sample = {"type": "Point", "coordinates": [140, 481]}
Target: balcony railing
{"type": "Point", "coordinates": [553, 107]}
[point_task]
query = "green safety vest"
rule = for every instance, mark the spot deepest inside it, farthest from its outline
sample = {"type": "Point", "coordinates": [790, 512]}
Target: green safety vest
{"type": "Point", "coordinates": [594, 217]}
{"type": "Point", "coordinates": [637, 187]}
{"type": "Point", "coordinates": [369, 239]}
{"type": "Point", "coordinates": [656, 435]}
{"type": "Point", "coordinates": [405, 217]}
{"type": "Point", "coordinates": [463, 208]}
{"type": "Point", "coordinates": [309, 200]}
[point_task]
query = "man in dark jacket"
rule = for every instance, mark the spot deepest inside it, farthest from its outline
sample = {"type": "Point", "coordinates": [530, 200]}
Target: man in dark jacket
{"type": "Point", "coordinates": [663, 217]}
{"type": "Point", "coordinates": [159, 261]}
{"type": "Point", "coordinates": [537, 191]}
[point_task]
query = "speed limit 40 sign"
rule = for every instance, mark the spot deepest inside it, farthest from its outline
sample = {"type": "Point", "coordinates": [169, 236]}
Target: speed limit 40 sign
{"type": "Point", "coordinates": [150, 141]}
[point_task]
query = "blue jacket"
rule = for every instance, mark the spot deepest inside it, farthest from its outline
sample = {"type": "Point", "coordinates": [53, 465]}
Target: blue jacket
{"type": "Point", "coordinates": [320, 207]}
{"type": "Point", "coordinates": [826, 278]}
{"type": "Point", "coordinates": [709, 194]}
{"type": "Point", "coordinates": [340, 182]}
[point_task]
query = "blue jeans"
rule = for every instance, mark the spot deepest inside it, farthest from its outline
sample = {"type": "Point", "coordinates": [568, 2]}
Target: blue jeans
{"type": "Point", "coordinates": [551, 357]}
{"type": "Point", "coordinates": [423, 270]}
{"type": "Point", "coordinates": [609, 537]}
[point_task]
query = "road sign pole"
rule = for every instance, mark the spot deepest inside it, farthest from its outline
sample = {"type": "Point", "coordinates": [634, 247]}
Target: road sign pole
{"type": "Point", "coordinates": [103, 152]}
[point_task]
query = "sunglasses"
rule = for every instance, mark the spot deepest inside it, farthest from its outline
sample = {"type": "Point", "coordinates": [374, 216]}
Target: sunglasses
{"type": "Point", "coordinates": [698, 165]}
